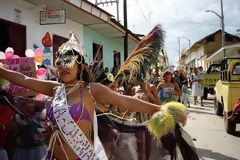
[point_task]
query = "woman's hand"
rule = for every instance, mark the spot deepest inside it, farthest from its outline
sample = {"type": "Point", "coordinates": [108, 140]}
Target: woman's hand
{"type": "Point", "coordinates": [182, 119]}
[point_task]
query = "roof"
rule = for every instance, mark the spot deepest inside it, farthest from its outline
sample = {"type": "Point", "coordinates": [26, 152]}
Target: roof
{"type": "Point", "coordinates": [219, 53]}
{"type": "Point", "coordinates": [199, 43]}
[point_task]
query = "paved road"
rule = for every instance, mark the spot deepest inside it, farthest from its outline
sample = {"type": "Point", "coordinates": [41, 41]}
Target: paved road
{"type": "Point", "coordinates": [207, 131]}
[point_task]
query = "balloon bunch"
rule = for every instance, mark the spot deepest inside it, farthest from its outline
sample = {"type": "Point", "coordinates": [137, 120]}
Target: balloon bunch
{"type": "Point", "coordinates": [37, 54]}
{"type": "Point", "coordinates": [38, 57]}
{"type": "Point", "coordinates": [9, 54]}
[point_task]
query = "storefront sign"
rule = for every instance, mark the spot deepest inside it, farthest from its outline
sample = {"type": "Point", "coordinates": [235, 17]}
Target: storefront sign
{"type": "Point", "coordinates": [24, 65]}
{"type": "Point", "coordinates": [53, 17]}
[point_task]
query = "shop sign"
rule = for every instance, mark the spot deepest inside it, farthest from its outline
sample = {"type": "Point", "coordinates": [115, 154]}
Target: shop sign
{"type": "Point", "coordinates": [53, 17]}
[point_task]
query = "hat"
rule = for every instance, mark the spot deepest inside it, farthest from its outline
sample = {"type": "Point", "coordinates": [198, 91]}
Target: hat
{"type": "Point", "coordinates": [167, 72]}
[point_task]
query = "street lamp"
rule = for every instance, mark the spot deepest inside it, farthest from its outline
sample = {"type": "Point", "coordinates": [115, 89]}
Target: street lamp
{"type": "Point", "coordinates": [222, 22]}
{"type": "Point", "coordinates": [189, 46]}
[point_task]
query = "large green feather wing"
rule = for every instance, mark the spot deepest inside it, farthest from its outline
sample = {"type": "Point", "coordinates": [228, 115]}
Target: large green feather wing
{"type": "Point", "coordinates": [143, 56]}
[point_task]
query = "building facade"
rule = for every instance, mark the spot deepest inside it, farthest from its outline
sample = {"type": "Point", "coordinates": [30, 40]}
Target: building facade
{"type": "Point", "coordinates": [22, 27]}
{"type": "Point", "coordinates": [201, 50]}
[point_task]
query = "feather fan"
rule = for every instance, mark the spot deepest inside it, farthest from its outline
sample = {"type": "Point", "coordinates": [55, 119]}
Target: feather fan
{"type": "Point", "coordinates": [163, 122]}
{"type": "Point", "coordinates": [143, 56]}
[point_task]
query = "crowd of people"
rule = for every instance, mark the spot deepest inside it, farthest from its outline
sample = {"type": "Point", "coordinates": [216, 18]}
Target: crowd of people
{"type": "Point", "coordinates": [75, 92]}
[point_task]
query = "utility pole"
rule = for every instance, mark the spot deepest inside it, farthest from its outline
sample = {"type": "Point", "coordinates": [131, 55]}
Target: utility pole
{"type": "Point", "coordinates": [111, 2]}
{"type": "Point", "coordinates": [189, 46]}
{"type": "Point", "coordinates": [100, 2]}
{"type": "Point", "coordinates": [126, 29]}
{"type": "Point", "coordinates": [222, 22]}
{"type": "Point", "coordinates": [179, 47]}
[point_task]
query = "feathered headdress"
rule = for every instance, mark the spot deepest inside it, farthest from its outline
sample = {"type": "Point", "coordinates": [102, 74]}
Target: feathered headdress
{"type": "Point", "coordinates": [144, 55]}
{"type": "Point", "coordinates": [70, 53]}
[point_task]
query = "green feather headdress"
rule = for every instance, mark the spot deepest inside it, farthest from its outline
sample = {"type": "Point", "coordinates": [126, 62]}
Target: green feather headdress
{"type": "Point", "coordinates": [70, 53]}
{"type": "Point", "coordinates": [143, 57]}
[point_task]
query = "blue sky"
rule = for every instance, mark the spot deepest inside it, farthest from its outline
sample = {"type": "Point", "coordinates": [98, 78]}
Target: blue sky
{"type": "Point", "coordinates": [179, 18]}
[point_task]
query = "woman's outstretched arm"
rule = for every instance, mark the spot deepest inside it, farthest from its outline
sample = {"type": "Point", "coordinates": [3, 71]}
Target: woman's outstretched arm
{"type": "Point", "coordinates": [41, 86]}
{"type": "Point", "coordinates": [104, 95]}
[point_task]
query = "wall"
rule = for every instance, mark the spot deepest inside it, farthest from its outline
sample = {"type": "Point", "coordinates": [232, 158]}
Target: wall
{"type": "Point", "coordinates": [90, 37]}
{"type": "Point", "coordinates": [30, 18]}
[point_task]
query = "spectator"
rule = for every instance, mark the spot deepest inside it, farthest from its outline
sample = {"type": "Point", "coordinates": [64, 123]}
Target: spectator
{"type": "Point", "coordinates": [168, 90]}
{"type": "Point", "coordinates": [5, 119]}
{"type": "Point", "coordinates": [189, 77]}
{"type": "Point", "coordinates": [186, 94]}
{"type": "Point", "coordinates": [197, 86]}
{"type": "Point", "coordinates": [31, 139]}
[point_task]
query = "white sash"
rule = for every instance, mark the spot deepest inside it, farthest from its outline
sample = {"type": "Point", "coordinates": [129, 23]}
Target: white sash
{"type": "Point", "coordinates": [70, 130]}
{"type": "Point", "coordinates": [98, 148]}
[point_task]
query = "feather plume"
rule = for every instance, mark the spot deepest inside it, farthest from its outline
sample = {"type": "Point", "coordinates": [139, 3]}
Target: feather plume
{"type": "Point", "coordinates": [143, 56]}
{"type": "Point", "coordinates": [163, 122]}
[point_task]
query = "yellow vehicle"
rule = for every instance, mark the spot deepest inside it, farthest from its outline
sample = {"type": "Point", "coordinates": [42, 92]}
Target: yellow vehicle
{"type": "Point", "coordinates": [227, 91]}
{"type": "Point", "coordinates": [210, 78]}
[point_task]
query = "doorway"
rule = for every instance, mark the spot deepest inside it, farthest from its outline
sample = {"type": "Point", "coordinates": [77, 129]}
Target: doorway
{"type": "Point", "coordinates": [13, 35]}
{"type": "Point", "coordinates": [57, 42]}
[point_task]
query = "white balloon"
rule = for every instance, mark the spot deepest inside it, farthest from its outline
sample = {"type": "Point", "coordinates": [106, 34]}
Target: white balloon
{"type": "Point", "coordinates": [29, 53]}
{"type": "Point", "coordinates": [2, 55]}
{"type": "Point", "coordinates": [9, 49]}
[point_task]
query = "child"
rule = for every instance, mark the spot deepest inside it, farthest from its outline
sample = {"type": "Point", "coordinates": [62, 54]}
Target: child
{"type": "Point", "coordinates": [185, 94]}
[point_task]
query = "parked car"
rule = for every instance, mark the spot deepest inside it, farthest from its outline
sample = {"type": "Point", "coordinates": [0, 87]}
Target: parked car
{"type": "Point", "coordinates": [210, 78]}
{"type": "Point", "coordinates": [227, 93]}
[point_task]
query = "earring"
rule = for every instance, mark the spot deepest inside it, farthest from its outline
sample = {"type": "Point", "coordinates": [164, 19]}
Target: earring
{"type": "Point", "coordinates": [80, 76]}
{"type": "Point", "coordinates": [58, 76]}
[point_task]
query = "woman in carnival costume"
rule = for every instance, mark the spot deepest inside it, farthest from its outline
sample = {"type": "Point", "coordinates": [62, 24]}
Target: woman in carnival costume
{"type": "Point", "coordinates": [168, 90]}
{"type": "Point", "coordinates": [72, 111]}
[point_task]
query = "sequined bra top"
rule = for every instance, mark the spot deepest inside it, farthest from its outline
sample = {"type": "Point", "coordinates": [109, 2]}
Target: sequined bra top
{"type": "Point", "coordinates": [77, 111]}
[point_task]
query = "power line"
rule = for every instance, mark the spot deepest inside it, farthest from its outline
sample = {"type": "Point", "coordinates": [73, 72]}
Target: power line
{"type": "Point", "coordinates": [141, 10]}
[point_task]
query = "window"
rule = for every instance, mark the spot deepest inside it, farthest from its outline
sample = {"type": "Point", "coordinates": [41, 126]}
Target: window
{"type": "Point", "coordinates": [13, 35]}
{"type": "Point", "coordinates": [236, 69]}
{"type": "Point", "coordinates": [117, 59]}
{"type": "Point", "coordinates": [214, 68]}
{"type": "Point", "coordinates": [98, 54]}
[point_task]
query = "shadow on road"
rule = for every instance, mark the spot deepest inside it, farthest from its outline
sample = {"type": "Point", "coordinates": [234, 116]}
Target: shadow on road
{"type": "Point", "coordinates": [205, 153]}
{"type": "Point", "coordinates": [201, 108]}
{"type": "Point", "coordinates": [209, 104]}
{"type": "Point", "coordinates": [200, 112]}
{"type": "Point", "coordinates": [237, 134]}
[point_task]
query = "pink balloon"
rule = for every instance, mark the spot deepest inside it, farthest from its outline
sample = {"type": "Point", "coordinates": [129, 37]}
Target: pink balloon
{"type": "Point", "coordinates": [38, 52]}
{"type": "Point", "coordinates": [15, 56]}
{"type": "Point", "coordinates": [9, 54]}
{"type": "Point", "coordinates": [41, 71]}
{"type": "Point", "coordinates": [2, 55]}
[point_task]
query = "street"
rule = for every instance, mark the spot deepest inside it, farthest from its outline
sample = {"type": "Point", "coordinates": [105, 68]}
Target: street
{"type": "Point", "coordinates": [208, 134]}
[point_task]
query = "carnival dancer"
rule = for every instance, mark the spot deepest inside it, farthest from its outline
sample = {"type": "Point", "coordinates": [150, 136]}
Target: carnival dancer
{"type": "Point", "coordinates": [135, 67]}
{"type": "Point", "coordinates": [73, 104]}
{"type": "Point", "coordinates": [168, 90]}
